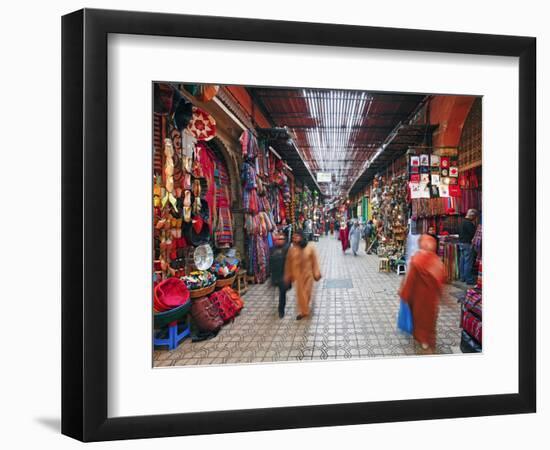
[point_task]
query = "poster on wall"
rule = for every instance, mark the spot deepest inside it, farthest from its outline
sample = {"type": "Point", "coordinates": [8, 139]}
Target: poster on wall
{"type": "Point", "coordinates": [419, 190]}
{"type": "Point", "coordinates": [444, 190]}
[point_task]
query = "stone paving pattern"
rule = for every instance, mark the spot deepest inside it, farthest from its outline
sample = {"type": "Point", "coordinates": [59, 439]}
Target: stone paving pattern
{"type": "Point", "coordinates": [346, 322]}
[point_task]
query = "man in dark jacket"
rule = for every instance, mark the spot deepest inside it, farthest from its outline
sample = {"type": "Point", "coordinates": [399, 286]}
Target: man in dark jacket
{"type": "Point", "coordinates": [277, 264]}
{"type": "Point", "coordinates": [467, 253]}
{"type": "Point", "coordinates": [367, 234]}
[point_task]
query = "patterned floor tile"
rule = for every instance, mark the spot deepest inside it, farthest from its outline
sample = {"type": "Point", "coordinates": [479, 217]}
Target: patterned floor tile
{"type": "Point", "coordinates": [353, 316]}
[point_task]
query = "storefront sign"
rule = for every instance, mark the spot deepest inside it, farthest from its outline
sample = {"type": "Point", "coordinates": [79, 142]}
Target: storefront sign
{"type": "Point", "coordinates": [324, 177]}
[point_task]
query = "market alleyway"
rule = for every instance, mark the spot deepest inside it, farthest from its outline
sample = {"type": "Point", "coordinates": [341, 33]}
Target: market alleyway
{"type": "Point", "coordinates": [353, 316]}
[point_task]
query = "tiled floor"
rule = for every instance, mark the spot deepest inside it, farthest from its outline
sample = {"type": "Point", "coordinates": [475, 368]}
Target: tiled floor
{"type": "Point", "coordinates": [353, 316]}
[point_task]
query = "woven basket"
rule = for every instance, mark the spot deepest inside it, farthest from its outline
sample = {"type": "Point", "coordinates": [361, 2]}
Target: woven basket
{"type": "Point", "coordinates": [202, 292]}
{"type": "Point", "coordinates": [225, 282]}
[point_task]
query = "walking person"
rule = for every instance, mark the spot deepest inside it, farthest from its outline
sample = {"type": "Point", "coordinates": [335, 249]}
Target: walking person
{"type": "Point", "coordinates": [302, 268]}
{"type": "Point", "coordinates": [367, 234]}
{"type": "Point", "coordinates": [355, 237]}
{"type": "Point", "coordinates": [421, 289]}
{"type": "Point", "coordinates": [467, 253]}
{"type": "Point", "coordinates": [344, 238]}
{"type": "Point", "coordinates": [308, 229]}
{"type": "Point", "coordinates": [277, 261]}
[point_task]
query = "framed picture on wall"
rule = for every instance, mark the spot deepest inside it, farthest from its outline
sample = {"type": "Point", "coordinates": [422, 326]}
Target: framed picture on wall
{"type": "Point", "coordinates": [239, 205]}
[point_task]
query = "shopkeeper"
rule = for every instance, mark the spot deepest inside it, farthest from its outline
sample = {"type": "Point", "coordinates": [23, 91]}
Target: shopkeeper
{"type": "Point", "coordinates": [467, 257]}
{"type": "Point", "coordinates": [432, 233]}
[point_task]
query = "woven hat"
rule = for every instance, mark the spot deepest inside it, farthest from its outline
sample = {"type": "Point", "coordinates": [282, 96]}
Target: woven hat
{"type": "Point", "coordinates": [202, 125]}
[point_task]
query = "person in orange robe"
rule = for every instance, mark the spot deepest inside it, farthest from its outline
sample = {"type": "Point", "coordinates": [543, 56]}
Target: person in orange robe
{"type": "Point", "coordinates": [422, 289]}
{"type": "Point", "coordinates": [302, 268]}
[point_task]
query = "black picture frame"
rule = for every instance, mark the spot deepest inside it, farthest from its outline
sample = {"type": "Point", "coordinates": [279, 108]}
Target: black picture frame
{"type": "Point", "coordinates": [84, 224]}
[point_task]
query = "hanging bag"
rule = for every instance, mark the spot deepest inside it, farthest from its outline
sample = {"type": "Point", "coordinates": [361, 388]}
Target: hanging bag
{"type": "Point", "coordinates": [206, 315]}
{"type": "Point", "coordinates": [235, 298]}
{"type": "Point", "coordinates": [404, 317]}
{"type": "Point", "coordinates": [225, 305]}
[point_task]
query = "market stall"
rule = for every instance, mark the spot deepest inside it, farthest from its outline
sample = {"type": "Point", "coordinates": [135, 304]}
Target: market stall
{"type": "Point", "coordinates": [192, 218]}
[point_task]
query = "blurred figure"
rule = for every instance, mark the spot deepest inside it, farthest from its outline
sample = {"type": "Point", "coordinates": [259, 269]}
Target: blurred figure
{"type": "Point", "coordinates": [277, 263]}
{"type": "Point", "coordinates": [467, 253]}
{"type": "Point", "coordinates": [422, 288]}
{"type": "Point", "coordinates": [337, 228]}
{"type": "Point", "coordinates": [355, 237]}
{"type": "Point", "coordinates": [367, 235]}
{"type": "Point", "coordinates": [327, 227]}
{"type": "Point", "coordinates": [331, 226]}
{"type": "Point", "coordinates": [302, 268]}
{"type": "Point", "coordinates": [308, 229]}
{"type": "Point", "coordinates": [344, 239]}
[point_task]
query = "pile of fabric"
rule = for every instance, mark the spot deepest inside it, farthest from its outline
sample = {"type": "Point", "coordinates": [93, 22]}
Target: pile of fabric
{"type": "Point", "coordinates": [429, 207]}
{"type": "Point", "coordinates": [199, 279]}
{"type": "Point", "coordinates": [471, 321]}
{"type": "Point", "coordinates": [224, 269]}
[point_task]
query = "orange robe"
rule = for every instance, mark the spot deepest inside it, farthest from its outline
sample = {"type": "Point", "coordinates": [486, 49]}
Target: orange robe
{"type": "Point", "coordinates": [302, 268]}
{"type": "Point", "coordinates": [422, 290]}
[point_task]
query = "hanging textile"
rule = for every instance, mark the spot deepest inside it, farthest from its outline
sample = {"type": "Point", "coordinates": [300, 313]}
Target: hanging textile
{"type": "Point", "coordinates": [448, 250]}
{"type": "Point", "coordinates": [223, 221]}
{"type": "Point", "coordinates": [249, 145]}
{"type": "Point", "coordinates": [206, 162]}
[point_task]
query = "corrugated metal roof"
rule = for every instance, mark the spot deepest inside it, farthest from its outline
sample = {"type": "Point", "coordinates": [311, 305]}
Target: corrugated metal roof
{"type": "Point", "coordinates": [336, 131]}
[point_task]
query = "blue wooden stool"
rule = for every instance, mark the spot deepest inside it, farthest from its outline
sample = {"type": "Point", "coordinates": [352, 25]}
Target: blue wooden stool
{"type": "Point", "coordinates": [174, 338]}
{"type": "Point", "coordinates": [169, 320]}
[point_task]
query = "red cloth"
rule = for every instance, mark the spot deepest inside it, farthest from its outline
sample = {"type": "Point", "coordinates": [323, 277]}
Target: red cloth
{"type": "Point", "coordinates": [197, 224]}
{"type": "Point", "coordinates": [344, 238]}
{"type": "Point", "coordinates": [422, 290]}
{"type": "Point", "coordinates": [454, 190]}
{"type": "Point", "coordinates": [169, 294]}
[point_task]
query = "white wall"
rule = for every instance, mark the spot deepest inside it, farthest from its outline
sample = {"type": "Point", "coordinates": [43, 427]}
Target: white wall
{"type": "Point", "coordinates": [30, 236]}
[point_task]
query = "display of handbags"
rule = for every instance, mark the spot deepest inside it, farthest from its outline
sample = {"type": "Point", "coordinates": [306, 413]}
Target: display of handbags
{"type": "Point", "coordinates": [225, 305]}
{"type": "Point", "coordinates": [206, 315]}
{"type": "Point", "coordinates": [235, 298]}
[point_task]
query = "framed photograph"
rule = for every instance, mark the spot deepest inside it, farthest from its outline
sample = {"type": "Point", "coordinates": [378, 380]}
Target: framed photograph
{"type": "Point", "coordinates": [248, 241]}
